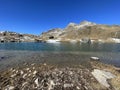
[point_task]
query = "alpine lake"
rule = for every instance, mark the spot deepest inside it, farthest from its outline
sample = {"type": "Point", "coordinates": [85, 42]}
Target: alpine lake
{"type": "Point", "coordinates": [61, 54]}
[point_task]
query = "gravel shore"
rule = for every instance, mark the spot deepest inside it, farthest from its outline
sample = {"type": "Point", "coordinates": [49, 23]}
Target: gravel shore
{"type": "Point", "coordinates": [45, 77]}
{"type": "Point", "coordinates": [48, 77]}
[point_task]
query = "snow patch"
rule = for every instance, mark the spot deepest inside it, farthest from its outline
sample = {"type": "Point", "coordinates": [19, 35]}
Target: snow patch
{"type": "Point", "coordinates": [73, 41]}
{"type": "Point", "coordinates": [53, 41]}
{"type": "Point", "coordinates": [116, 40]}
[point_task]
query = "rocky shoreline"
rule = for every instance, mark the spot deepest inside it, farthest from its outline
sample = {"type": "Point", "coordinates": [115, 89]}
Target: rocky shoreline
{"type": "Point", "coordinates": [51, 77]}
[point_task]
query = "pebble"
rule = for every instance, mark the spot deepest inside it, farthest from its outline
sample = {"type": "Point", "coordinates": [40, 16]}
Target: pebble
{"type": "Point", "coordinates": [13, 75]}
{"type": "Point", "coordinates": [24, 75]}
{"type": "Point", "coordinates": [67, 85]}
{"type": "Point", "coordinates": [10, 88]}
{"type": "Point", "coordinates": [94, 58]}
{"type": "Point", "coordinates": [27, 69]}
{"type": "Point", "coordinates": [21, 72]}
{"type": "Point", "coordinates": [34, 72]}
{"type": "Point", "coordinates": [36, 82]}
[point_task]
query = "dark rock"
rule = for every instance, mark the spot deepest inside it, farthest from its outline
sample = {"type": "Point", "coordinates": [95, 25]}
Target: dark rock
{"type": "Point", "coordinates": [86, 40]}
{"type": "Point", "coordinates": [51, 37]}
{"type": "Point", "coordinates": [2, 57]}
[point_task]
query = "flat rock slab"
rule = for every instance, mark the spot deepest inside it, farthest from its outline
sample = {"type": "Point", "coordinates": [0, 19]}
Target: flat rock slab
{"type": "Point", "coordinates": [102, 76]}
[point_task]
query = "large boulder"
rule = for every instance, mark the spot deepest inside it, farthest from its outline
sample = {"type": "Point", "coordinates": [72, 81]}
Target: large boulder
{"type": "Point", "coordinates": [103, 76]}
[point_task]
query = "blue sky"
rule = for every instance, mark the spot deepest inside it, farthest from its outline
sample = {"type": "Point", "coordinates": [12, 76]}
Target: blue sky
{"type": "Point", "coordinates": [37, 16]}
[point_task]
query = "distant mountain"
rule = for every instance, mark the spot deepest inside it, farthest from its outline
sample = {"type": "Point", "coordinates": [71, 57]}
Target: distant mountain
{"type": "Point", "coordinates": [8, 36]}
{"type": "Point", "coordinates": [85, 29]}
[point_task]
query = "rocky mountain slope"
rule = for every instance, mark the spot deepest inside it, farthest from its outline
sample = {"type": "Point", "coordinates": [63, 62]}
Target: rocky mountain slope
{"type": "Point", "coordinates": [7, 36]}
{"type": "Point", "coordinates": [83, 30]}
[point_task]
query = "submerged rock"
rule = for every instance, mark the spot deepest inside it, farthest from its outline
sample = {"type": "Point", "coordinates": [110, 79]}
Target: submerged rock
{"type": "Point", "coordinates": [94, 58]}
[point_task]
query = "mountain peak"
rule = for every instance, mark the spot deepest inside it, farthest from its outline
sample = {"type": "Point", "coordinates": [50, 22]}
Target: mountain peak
{"type": "Point", "coordinates": [72, 24]}
{"type": "Point", "coordinates": [87, 23]}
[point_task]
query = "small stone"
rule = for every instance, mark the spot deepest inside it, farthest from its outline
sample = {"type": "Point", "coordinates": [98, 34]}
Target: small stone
{"type": "Point", "coordinates": [10, 88]}
{"type": "Point", "coordinates": [77, 87]}
{"type": "Point", "coordinates": [33, 64]}
{"type": "Point", "coordinates": [51, 85]}
{"type": "Point", "coordinates": [24, 83]}
{"type": "Point", "coordinates": [21, 72]}
{"type": "Point", "coordinates": [34, 72]}
{"type": "Point", "coordinates": [24, 75]}
{"type": "Point", "coordinates": [33, 67]}
{"type": "Point", "coordinates": [36, 82]}
{"type": "Point", "coordinates": [29, 74]}
{"type": "Point", "coordinates": [67, 85]}
{"type": "Point", "coordinates": [30, 71]}
{"type": "Point", "coordinates": [27, 69]}
{"type": "Point", "coordinates": [44, 64]}
{"type": "Point", "coordinates": [16, 71]}
{"type": "Point", "coordinates": [94, 58]}
{"type": "Point", "coordinates": [13, 75]}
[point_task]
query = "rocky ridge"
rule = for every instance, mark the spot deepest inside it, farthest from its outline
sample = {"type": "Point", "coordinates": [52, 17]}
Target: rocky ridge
{"type": "Point", "coordinates": [85, 30]}
{"type": "Point", "coordinates": [8, 36]}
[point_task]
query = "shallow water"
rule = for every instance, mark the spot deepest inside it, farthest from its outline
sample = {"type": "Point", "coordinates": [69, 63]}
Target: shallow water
{"type": "Point", "coordinates": [14, 54]}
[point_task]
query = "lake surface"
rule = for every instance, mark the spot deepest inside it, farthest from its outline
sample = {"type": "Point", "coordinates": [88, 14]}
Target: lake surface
{"type": "Point", "coordinates": [84, 47]}
{"type": "Point", "coordinates": [58, 53]}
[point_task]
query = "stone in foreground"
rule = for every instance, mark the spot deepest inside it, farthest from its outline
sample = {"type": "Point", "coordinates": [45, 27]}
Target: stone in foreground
{"type": "Point", "coordinates": [102, 76]}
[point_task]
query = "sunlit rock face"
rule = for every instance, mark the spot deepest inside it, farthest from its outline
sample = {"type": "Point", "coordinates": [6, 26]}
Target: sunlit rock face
{"type": "Point", "coordinates": [87, 23]}
{"type": "Point", "coordinates": [79, 26]}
